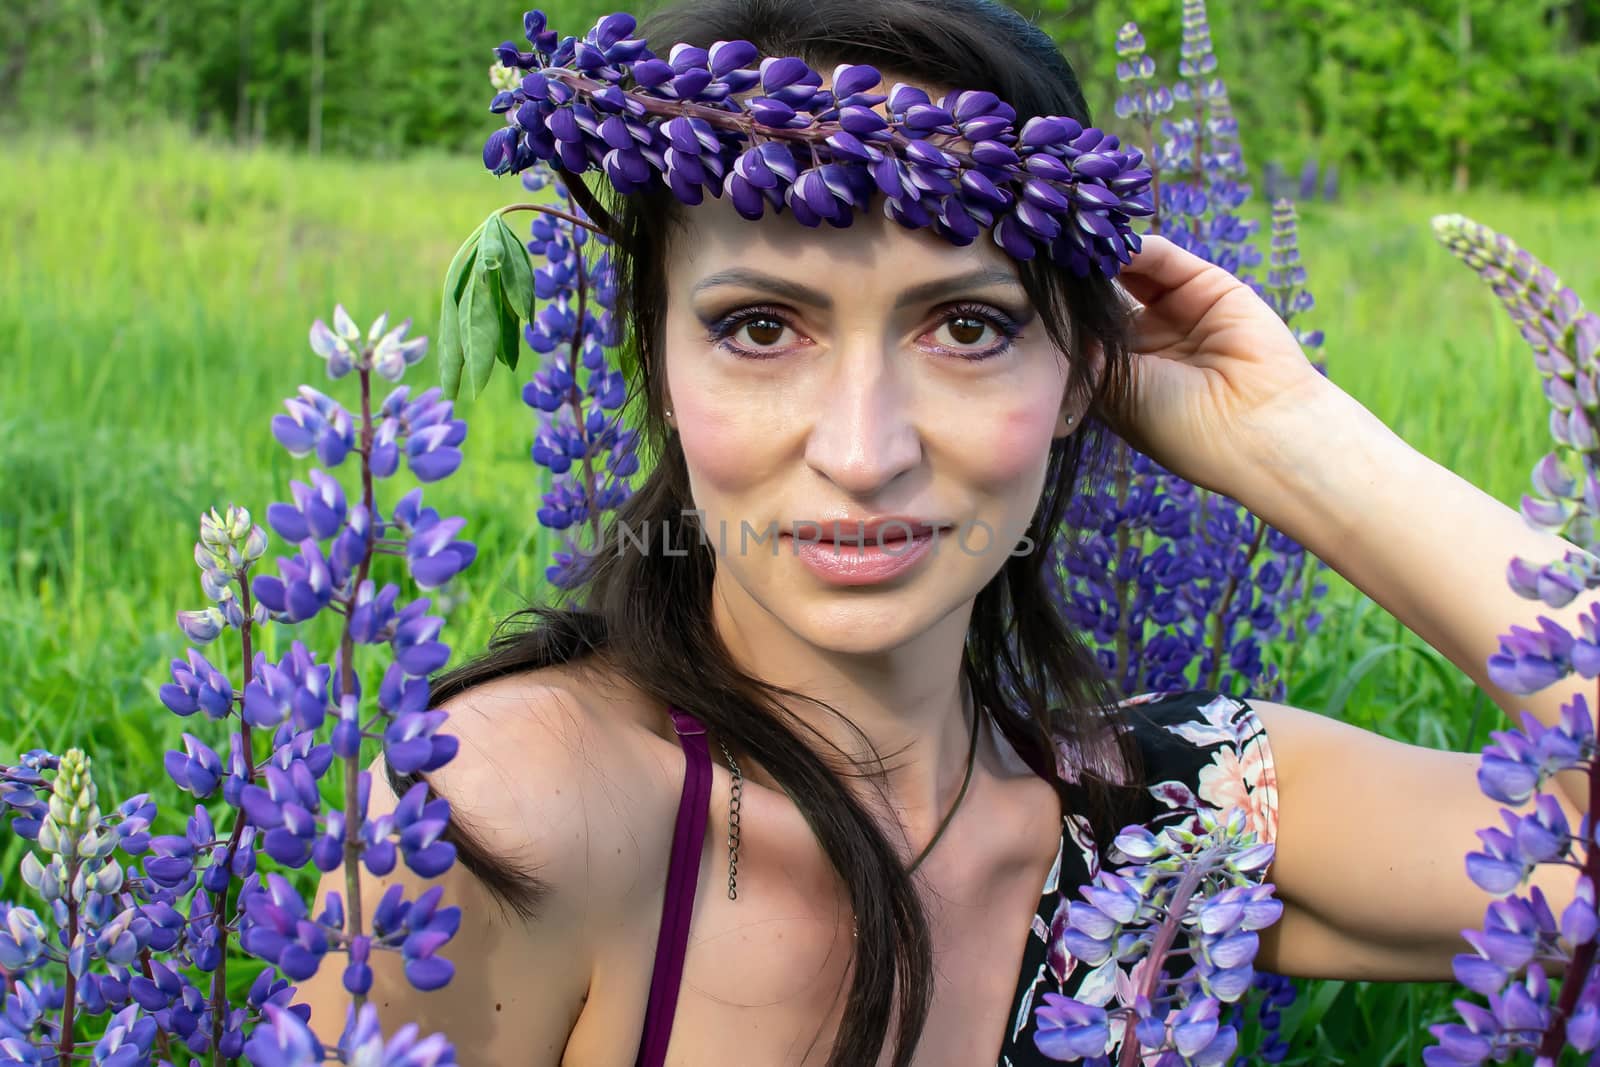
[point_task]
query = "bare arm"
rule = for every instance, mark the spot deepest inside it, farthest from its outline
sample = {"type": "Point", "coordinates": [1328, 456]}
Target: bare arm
{"type": "Point", "coordinates": [1370, 865]}
{"type": "Point", "coordinates": [1428, 546]}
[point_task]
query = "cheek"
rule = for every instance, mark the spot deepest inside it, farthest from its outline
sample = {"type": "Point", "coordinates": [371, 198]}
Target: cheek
{"type": "Point", "coordinates": [1018, 442]}
{"type": "Point", "coordinates": [726, 451]}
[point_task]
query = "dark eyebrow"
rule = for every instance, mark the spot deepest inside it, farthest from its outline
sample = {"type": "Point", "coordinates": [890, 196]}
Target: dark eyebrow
{"type": "Point", "coordinates": [772, 283]}
{"type": "Point", "coordinates": [792, 290]}
{"type": "Point", "coordinates": [928, 292]}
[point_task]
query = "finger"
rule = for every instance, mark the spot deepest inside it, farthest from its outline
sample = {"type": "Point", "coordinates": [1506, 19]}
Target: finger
{"type": "Point", "coordinates": [1152, 333]}
{"type": "Point", "coordinates": [1174, 283]}
{"type": "Point", "coordinates": [1159, 267]}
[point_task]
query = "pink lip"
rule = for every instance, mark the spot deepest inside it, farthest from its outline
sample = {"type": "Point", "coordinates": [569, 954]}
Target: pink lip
{"type": "Point", "coordinates": [851, 563]}
{"type": "Point", "coordinates": [871, 530]}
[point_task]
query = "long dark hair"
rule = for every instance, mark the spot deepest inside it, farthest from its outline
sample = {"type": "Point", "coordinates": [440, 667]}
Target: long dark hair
{"type": "Point", "coordinates": [646, 614]}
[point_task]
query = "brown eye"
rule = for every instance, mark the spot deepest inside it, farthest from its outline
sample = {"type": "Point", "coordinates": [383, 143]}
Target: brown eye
{"type": "Point", "coordinates": [967, 330]}
{"type": "Point", "coordinates": [764, 331]}
{"type": "Point", "coordinates": [964, 331]}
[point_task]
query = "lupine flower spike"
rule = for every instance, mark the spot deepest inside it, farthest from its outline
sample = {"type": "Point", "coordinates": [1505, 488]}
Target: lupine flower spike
{"type": "Point", "coordinates": [145, 939]}
{"type": "Point", "coordinates": [579, 395]}
{"type": "Point", "coordinates": [1201, 886]}
{"type": "Point", "coordinates": [1535, 968]}
{"type": "Point", "coordinates": [1175, 585]}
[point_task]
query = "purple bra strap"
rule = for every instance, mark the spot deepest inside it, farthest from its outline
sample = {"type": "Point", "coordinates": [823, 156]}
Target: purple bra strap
{"type": "Point", "coordinates": [683, 874]}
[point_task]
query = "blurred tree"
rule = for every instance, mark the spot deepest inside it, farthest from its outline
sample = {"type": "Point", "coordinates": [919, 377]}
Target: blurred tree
{"type": "Point", "coordinates": [1448, 91]}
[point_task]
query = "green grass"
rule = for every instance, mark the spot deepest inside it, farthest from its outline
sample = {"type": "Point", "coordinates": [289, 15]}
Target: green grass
{"type": "Point", "coordinates": [154, 303]}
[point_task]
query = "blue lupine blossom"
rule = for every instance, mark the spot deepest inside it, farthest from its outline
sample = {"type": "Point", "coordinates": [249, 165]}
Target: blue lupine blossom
{"type": "Point", "coordinates": [1176, 586]}
{"type": "Point", "coordinates": [606, 103]}
{"type": "Point", "coordinates": [144, 940]}
{"type": "Point", "coordinates": [581, 438]}
{"type": "Point", "coordinates": [1536, 969]}
{"type": "Point", "coordinates": [1202, 885]}
{"type": "Point", "coordinates": [1277, 185]}
{"type": "Point", "coordinates": [133, 940]}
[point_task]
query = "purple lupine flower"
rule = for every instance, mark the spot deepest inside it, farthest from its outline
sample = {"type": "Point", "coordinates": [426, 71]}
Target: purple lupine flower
{"type": "Point", "coordinates": [150, 926]}
{"type": "Point", "coordinates": [1276, 993]}
{"type": "Point", "coordinates": [1542, 995]}
{"type": "Point", "coordinates": [285, 1041]}
{"type": "Point", "coordinates": [1069, 1030]}
{"type": "Point", "coordinates": [1174, 585]}
{"type": "Point", "coordinates": [582, 441]}
{"type": "Point", "coordinates": [1565, 339]}
{"type": "Point", "coordinates": [1518, 931]}
{"type": "Point", "coordinates": [824, 152]}
{"type": "Point", "coordinates": [1201, 884]}
{"type": "Point", "coordinates": [1330, 183]}
{"type": "Point", "coordinates": [197, 769]}
{"type": "Point", "coordinates": [1308, 179]}
{"type": "Point", "coordinates": [362, 1042]}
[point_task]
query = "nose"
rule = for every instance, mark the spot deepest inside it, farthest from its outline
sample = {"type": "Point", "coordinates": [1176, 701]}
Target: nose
{"type": "Point", "coordinates": [865, 434]}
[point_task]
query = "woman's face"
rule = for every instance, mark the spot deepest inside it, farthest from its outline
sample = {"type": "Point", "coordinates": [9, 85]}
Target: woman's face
{"type": "Point", "coordinates": [823, 375]}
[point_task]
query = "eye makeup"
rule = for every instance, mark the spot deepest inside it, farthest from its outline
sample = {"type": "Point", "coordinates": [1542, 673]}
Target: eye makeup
{"type": "Point", "coordinates": [721, 328]}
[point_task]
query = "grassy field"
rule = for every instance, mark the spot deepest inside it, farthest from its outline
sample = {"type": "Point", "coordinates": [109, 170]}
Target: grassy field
{"type": "Point", "coordinates": [154, 303]}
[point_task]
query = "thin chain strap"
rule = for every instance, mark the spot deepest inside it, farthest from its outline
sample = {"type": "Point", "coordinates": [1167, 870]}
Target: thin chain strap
{"type": "Point", "coordinates": [738, 781]}
{"type": "Point", "coordinates": [733, 824]}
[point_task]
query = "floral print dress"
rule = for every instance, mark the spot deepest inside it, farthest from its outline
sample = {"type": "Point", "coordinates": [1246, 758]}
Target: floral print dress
{"type": "Point", "coordinates": [1200, 748]}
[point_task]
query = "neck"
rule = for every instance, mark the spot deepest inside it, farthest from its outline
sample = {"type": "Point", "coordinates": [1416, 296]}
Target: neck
{"type": "Point", "coordinates": [909, 703]}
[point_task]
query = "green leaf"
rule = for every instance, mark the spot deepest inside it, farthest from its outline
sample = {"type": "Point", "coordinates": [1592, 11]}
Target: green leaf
{"type": "Point", "coordinates": [516, 274]}
{"type": "Point", "coordinates": [510, 337]}
{"type": "Point", "coordinates": [451, 357]}
{"type": "Point", "coordinates": [455, 278]}
{"type": "Point", "coordinates": [481, 305]}
{"type": "Point", "coordinates": [491, 247]}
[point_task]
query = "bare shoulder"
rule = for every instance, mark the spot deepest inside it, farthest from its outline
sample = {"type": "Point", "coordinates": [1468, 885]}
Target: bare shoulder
{"type": "Point", "coordinates": [561, 775]}
{"type": "Point", "coordinates": [568, 796]}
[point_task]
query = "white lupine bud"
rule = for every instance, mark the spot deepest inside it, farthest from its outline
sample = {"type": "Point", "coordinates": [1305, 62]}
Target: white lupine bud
{"type": "Point", "coordinates": [32, 872]}
{"type": "Point", "coordinates": [60, 806]}
{"type": "Point", "coordinates": [108, 879]}
{"type": "Point", "coordinates": [215, 583]}
{"type": "Point", "coordinates": [202, 626]}
{"type": "Point", "coordinates": [504, 79]}
{"type": "Point", "coordinates": [213, 530]}
{"type": "Point", "coordinates": [80, 883]}
{"type": "Point", "coordinates": [98, 843]}
{"type": "Point", "coordinates": [49, 888]}
{"type": "Point", "coordinates": [344, 326]}
{"type": "Point", "coordinates": [22, 941]}
{"type": "Point", "coordinates": [255, 545]}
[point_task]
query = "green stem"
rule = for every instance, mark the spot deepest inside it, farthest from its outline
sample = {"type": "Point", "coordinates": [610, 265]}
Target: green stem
{"type": "Point", "coordinates": [1218, 626]}
{"type": "Point", "coordinates": [219, 980]}
{"type": "Point", "coordinates": [1555, 1038]}
{"type": "Point", "coordinates": [69, 1003]}
{"type": "Point", "coordinates": [1168, 933]}
{"type": "Point", "coordinates": [546, 209]}
{"type": "Point", "coordinates": [352, 768]}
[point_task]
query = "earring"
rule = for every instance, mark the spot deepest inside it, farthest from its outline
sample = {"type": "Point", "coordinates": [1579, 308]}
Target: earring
{"type": "Point", "coordinates": [668, 413]}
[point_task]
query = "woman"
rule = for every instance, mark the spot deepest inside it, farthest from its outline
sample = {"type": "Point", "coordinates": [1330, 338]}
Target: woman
{"type": "Point", "coordinates": [797, 378]}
